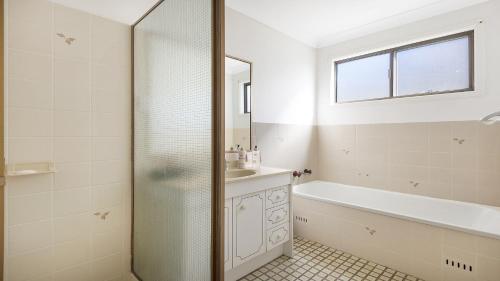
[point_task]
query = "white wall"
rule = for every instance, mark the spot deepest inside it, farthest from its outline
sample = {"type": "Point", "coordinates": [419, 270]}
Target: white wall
{"type": "Point", "coordinates": [452, 107]}
{"type": "Point", "coordinates": [283, 74]}
{"type": "Point", "coordinates": [283, 91]}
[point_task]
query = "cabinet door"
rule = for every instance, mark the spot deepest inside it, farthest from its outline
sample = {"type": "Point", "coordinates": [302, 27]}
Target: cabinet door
{"type": "Point", "coordinates": [228, 234]}
{"type": "Point", "coordinates": [249, 238]}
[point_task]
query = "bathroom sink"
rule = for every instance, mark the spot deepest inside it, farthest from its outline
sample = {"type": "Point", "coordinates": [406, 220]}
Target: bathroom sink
{"type": "Point", "coordinates": [238, 173]}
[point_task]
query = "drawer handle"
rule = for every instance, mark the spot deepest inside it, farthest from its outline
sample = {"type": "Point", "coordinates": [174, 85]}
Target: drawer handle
{"type": "Point", "coordinates": [242, 207]}
{"type": "Point", "coordinates": [278, 197]}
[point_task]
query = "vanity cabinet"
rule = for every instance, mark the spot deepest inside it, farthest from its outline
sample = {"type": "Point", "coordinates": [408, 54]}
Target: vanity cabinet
{"type": "Point", "coordinates": [248, 227]}
{"type": "Point", "coordinates": [228, 234]}
{"type": "Point", "coordinates": [258, 227]}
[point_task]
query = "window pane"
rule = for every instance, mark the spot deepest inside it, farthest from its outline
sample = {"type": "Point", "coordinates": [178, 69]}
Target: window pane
{"type": "Point", "coordinates": [364, 79]}
{"type": "Point", "coordinates": [440, 67]}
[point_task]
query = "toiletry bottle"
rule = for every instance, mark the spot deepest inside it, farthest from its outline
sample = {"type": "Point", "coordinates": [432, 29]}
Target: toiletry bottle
{"type": "Point", "coordinates": [256, 158]}
{"type": "Point", "coordinates": [241, 158]}
{"type": "Point", "coordinates": [231, 158]}
{"type": "Point", "coordinates": [248, 160]}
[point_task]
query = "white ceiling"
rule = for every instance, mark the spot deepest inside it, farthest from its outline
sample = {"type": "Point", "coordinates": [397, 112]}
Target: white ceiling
{"type": "Point", "coordinates": [320, 23]}
{"type": "Point", "coordinates": [315, 22]}
{"type": "Point", "coordinates": [124, 11]}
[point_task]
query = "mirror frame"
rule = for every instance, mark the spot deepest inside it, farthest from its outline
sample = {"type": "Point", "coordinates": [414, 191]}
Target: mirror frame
{"type": "Point", "coordinates": [251, 93]}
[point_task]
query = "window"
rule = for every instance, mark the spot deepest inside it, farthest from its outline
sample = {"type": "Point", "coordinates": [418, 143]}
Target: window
{"type": "Point", "coordinates": [247, 98]}
{"type": "Point", "coordinates": [438, 66]}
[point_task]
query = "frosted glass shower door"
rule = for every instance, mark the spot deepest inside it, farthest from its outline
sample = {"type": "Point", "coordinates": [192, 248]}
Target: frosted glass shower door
{"type": "Point", "coordinates": [173, 110]}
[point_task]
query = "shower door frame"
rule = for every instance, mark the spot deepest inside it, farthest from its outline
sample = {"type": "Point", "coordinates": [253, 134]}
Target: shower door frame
{"type": "Point", "coordinates": [218, 137]}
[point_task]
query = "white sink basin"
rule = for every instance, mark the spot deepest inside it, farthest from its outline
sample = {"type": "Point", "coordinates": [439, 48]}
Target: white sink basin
{"type": "Point", "coordinates": [239, 173]}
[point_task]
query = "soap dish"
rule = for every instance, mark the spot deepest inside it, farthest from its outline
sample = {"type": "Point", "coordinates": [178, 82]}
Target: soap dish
{"type": "Point", "coordinates": [26, 169]}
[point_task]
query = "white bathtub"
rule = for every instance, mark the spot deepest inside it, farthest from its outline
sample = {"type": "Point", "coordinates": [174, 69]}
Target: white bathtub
{"type": "Point", "coordinates": [433, 239]}
{"type": "Point", "coordinates": [472, 218]}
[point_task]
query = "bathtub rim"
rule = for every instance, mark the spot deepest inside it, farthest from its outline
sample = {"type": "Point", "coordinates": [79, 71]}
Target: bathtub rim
{"type": "Point", "coordinates": [401, 216]}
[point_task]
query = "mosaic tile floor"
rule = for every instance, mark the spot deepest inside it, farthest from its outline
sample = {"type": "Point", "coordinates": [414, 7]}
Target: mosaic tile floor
{"type": "Point", "coordinates": [316, 262]}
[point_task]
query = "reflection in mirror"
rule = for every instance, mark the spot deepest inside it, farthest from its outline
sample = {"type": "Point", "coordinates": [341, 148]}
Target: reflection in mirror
{"type": "Point", "coordinates": [238, 103]}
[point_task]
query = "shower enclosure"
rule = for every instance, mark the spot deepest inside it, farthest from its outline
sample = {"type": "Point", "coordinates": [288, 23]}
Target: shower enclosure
{"type": "Point", "coordinates": [178, 58]}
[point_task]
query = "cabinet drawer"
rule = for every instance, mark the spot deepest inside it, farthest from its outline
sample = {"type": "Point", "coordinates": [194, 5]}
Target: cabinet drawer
{"type": "Point", "coordinates": [276, 196]}
{"type": "Point", "coordinates": [278, 235]}
{"type": "Point", "coordinates": [277, 215]}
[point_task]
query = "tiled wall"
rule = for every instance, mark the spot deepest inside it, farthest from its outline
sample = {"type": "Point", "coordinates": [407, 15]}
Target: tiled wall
{"type": "Point", "coordinates": [68, 102]}
{"type": "Point", "coordinates": [452, 160]}
{"type": "Point", "coordinates": [287, 146]}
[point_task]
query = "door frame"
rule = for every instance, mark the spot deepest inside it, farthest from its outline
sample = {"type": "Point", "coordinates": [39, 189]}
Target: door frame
{"type": "Point", "coordinates": [2, 137]}
{"type": "Point", "coordinates": [218, 142]}
{"type": "Point", "coordinates": [218, 138]}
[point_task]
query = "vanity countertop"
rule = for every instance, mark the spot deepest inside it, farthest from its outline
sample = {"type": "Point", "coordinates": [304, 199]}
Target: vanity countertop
{"type": "Point", "coordinates": [261, 172]}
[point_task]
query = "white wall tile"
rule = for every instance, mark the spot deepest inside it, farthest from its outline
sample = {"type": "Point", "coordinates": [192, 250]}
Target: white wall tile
{"type": "Point", "coordinates": [72, 175]}
{"type": "Point", "coordinates": [106, 244]}
{"type": "Point", "coordinates": [77, 273]}
{"type": "Point", "coordinates": [71, 201]}
{"type": "Point", "coordinates": [30, 122]}
{"type": "Point", "coordinates": [29, 237]}
{"type": "Point", "coordinates": [31, 265]}
{"type": "Point", "coordinates": [31, 10]}
{"type": "Point", "coordinates": [73, 227]}
{"type": "Point", "coordinates": [72, 85]}
{"type": "Point", "coordinates": [29, 93]}
{"type": "Point", "coordinates": [30, 34]}
{"type": "Point", "coordinates": [108, 49]}
{"type": "Point", "coordinates": [29, 208]}
{"type": "Point", "coordinates": [103, 74]}
{"type": "Point", "coordinates": [105, 172]}
{"type": "Point", "coordinates": [110, 148]}
{"type": "Point", "coordinates": [107, 125]}
{"type": "Point", "coordinates": [488, 268]}
{"type": "Point", "coordinates": [48, 277]}
{"type": "Point", "coordinates": [107, 268]}
{"type": "Point", "coordinates": [106, 196]}
{"type": "Point", "coordinates": [34, 149]}
{"type": "Point", "coordinates": [107, 101]}
{"type": "Point", "coordinates": [29, 185]}
{"type": "Point", "coordinates": [71, 124]}
{"type": "Point", "coordinates": [74, 27]}
{"type": "Point", "coordinates": [29, 66]}
{"type": "Point", "coordinates": [71, 149]}
{"type": "Point", "coordinates": [71, 253]}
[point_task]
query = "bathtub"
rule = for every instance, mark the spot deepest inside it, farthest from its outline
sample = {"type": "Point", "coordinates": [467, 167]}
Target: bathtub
{"type": "Point", "coordinates": [431, 238]}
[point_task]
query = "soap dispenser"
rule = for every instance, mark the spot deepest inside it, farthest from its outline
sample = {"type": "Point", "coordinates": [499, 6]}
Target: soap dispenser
{"type": "Point", "coordinates": [241, 158]}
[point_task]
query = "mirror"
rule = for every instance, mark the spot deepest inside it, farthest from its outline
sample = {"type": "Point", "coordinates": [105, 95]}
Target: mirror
{"type": "Point", "coordinates": [238, 102]}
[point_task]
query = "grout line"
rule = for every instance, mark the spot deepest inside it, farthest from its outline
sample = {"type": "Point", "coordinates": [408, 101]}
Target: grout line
{"type": "Point", "coordinates": [53, 96]}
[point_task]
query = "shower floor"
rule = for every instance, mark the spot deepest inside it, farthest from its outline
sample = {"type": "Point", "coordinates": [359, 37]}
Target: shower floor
{"type": "Point", "coordinates": [316, 262]}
